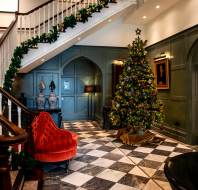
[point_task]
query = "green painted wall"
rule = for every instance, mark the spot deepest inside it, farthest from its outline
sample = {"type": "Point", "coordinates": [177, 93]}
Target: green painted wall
{"type": "Point", "coordinates": [178, 99]}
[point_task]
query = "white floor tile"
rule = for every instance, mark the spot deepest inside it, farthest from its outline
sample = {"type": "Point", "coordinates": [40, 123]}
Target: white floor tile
{"type": "Point", "coordinates": [110, 144]}
{"type": "Point", "coordinates": [117, 151]}
{"type": "Point", "coordinates": [174, 154]}
{"type": "Point", "coordinates": [111, 175]}
{"type": "Point", "coordinates": [91, 146]}
{"type": "Point", "coordinates": [102, 162]}
{"type": "Point", "coordinates": [151, 185]}
{"type": "Point", "coordinates": [155, 157]}
{"type": "Point", "coordinates": [76, 165]}
{"type": "Point", "coordinates": [137, 171]}
{"type": "Point", "coordinates": [164, 185]}
{"type": "Point", "coordinates": [166, 148]}
{"type": "Point", "coordinates": [135, 159]}
{"type": "Point", "coordinates": [97, 153]}
{"type": "Point", "coordinates": [125, 151]}
{"type": "Point", "coordinates": [182, 146]}
{"type": "Point", "coordinates": [149, 171]}
{"type": "Point", "coordinates": [77, 178]}
{"type": "Point", "coordinates": [118, 186]}
{"type": "Point", "coordinates": [144, 149]}
{"type": "Point", "coordinates": [88, 140]}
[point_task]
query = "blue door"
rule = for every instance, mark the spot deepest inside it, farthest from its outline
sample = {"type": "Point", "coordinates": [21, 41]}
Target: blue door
{"type": "Point", "coordinates": [74, 102]}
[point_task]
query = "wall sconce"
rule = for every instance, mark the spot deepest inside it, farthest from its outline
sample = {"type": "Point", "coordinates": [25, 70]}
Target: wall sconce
{"type": "Point", "coordinates": [89, 88]}
{"type": "Point", "coordinates": [118, 62]}
{"type": "Point", "coordinates": [164, 55]}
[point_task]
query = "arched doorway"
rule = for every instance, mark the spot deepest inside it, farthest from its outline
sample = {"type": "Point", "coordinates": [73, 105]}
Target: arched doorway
{"type": "Point", "coordinates": [193, 58]}
{"type": "Point", "coordinates": [76, 104]}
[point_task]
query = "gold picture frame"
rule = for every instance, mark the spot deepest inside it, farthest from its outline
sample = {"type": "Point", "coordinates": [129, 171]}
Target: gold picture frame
{"type": "Point", "coordinates": [161, 73]}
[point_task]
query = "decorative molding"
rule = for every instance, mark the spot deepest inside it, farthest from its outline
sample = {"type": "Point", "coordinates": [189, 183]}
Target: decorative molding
{"type": "Point", "coordinates": [178, 67]}
{"type": "Point", "coordinates": [178, 98]}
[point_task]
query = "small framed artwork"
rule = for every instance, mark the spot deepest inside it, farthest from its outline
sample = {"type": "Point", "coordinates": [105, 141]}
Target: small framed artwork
{"type": "Point", "coordinates": [161, 73]}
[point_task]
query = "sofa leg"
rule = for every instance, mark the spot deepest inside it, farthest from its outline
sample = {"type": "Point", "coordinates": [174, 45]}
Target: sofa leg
{"type": "Point", "coordinates": [67, 162]}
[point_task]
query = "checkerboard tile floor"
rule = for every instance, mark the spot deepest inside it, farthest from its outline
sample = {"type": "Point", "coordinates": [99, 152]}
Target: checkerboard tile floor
{"type": "Point", "coordinates": [104, 163]}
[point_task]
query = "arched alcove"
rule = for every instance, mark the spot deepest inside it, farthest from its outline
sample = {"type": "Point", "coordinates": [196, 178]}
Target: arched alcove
{"type": "Point", "coordinates": [76, 104]}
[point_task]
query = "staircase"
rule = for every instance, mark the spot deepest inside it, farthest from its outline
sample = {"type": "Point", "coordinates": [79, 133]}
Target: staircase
{"type": "Point", "coordinates": [13, 133]}
{"type": "Point", "coordinates": [30, 25]}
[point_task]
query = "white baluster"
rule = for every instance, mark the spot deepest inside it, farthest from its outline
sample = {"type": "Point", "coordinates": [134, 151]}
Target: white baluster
{"type": "Point", "coordinates": [44, 19]}
{"type": "Point", "coordinates": [25, 26]}
{"type": "Point", "coordinates": [62, 10]}
{"type": "Point", "coordinates": [57, 6]}
{"type": "Point", "coordinates": [34, 21]}
{"type": "Point", "coordinates": [78, 5]}
{"type": "Point", "coordinates": [65, 8]}
{"type": "Point", "coordinates": [75, 9]}
{"type": "Point", "coordinates": [71, 12]}
{"type": "Point", "coordinates": [53, 12]}
{"type": "Point", "coordinates": [9, 110]}
{"type": "Point", "coordinates": [39, 24]}
{"type": "Point", "coordinates": [29, 26]}
{"type": "Point", "coordinates": [1, 108]}
{"type": "Point", "coordinates": [48, 18]}
{"type": "Point", "coordinates": [19, 124]}
{"type": "Point", "coordinates": [19, 116]}
{"type": "Point", "coordinates": [20, 29]}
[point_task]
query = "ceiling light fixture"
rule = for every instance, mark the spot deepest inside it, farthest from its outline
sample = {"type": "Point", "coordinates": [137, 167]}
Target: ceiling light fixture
{"type": "Point", "coordinates": [157, 6]}
{"type": "Point", "coordinates": [144, 17]}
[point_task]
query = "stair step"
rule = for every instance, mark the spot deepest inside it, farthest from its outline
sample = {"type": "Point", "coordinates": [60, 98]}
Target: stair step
{"type": "Point", "coordinates": [13, 175]}
{"type": "Point", "coordinates": [30, 185]}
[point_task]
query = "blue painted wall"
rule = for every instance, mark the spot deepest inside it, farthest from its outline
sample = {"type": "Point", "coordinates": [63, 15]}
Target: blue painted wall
{"type": "Point", "coordinates": [77, 66]}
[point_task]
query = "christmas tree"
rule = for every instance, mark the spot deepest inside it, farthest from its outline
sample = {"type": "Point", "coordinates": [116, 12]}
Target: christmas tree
{"type": "Point", "coordinates": [135, 104]}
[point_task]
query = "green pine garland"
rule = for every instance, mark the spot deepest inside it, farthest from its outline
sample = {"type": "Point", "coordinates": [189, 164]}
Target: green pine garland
{"type": "Point", "coordinates": [135, 103]}
{"type": "Point", "coordinates": [52, 36]}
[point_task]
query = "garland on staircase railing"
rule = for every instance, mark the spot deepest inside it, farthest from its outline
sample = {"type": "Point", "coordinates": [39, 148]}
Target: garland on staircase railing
{"type": "Point", "coordinates": [70, 21]}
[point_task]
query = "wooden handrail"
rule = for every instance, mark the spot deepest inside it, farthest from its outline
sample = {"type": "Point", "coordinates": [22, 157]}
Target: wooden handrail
{"type": "Point", "coordinates": [3, 37]}
{"type": "Point", "coordinates": [52, 17]}
{"type": "Point", "coordinates": [36, 8]}
{"type": "Point", "coordinates": [16, 102]}
{"type": "Point", "coordinates": [20, 136]}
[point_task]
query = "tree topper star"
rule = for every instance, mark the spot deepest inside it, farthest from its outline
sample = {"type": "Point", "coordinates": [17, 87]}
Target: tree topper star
{"type": "Point", "coordinates": [138, 31]}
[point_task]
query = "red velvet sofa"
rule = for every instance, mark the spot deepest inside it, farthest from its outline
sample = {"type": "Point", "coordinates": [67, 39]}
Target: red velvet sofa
{"type": "Point", "coordinates": [52, 144]}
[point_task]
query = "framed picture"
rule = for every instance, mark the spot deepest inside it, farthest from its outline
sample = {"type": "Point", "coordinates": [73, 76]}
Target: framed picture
{"type": "Point", "coordinates": [161, 73]}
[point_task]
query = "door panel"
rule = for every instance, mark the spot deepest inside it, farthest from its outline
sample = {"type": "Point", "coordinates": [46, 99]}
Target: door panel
{"type": "Point", "coordinates": [68, 107]}
{"type": "Point", "coordinates": [76, 75]}
{"type": "Point", "coordinates": [82, 105]}
{"type": "Point", "coordinates": [67, 86]}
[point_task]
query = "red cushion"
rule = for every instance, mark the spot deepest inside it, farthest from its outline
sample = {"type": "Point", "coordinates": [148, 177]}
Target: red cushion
{"type": "Point", "coordinates": [51, 143]}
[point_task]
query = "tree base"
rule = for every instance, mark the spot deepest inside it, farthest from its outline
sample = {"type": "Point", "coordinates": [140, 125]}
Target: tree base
{"type": "Point", "coordinates": [137, 139]}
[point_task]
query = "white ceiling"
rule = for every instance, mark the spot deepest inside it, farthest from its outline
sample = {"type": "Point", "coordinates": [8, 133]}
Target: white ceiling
{"type": "Point", "coordinates": [149, 9]}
